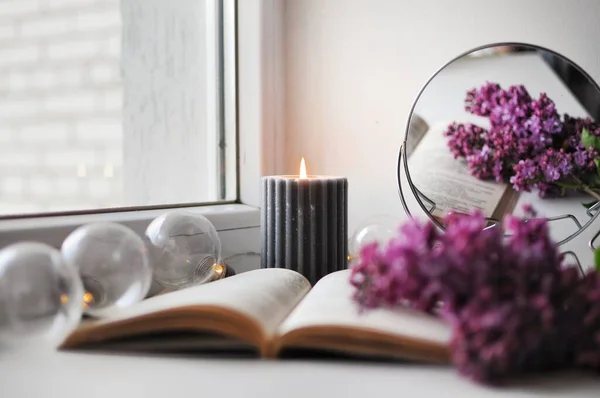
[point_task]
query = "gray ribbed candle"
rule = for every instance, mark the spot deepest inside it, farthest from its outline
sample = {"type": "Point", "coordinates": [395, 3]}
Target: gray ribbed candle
{"type": "Point", "coordinates": [304, 224]}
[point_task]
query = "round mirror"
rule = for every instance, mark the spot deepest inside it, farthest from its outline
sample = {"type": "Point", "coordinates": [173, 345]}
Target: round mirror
{"type": "Point", "coordinates": [500, 127]}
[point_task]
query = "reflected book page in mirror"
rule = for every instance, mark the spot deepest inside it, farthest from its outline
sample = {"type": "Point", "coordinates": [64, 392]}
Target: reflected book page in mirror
{"type": "Point", "coordinates": [447, 181]}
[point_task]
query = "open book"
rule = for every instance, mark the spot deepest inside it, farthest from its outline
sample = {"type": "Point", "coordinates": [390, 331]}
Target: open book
{"type": "Point", "coordinates": [447, 181]}
{"type": "Point", "coordinates": [268, 313]}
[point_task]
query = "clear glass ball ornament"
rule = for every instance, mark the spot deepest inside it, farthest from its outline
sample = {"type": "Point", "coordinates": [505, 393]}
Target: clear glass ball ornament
{"type": "Point", "coordinates": [113, 263]}
{"type": "Point", "coordinates": [379, 228]}
{"type": "Point", "coordinates": [184, 249]}
{"type": "Point", "coordinates": [40, 296]}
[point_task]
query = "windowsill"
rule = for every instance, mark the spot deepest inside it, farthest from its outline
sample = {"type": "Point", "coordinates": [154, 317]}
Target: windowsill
{"type": "Point", "coordinates": [54, 229]}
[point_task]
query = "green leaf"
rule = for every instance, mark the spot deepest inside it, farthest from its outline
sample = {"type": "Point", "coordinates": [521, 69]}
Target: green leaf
{"type": "Point", "coordinates": [590, 140]}
{"type": "Point", "coordinates": [589, 204]}
{"type": "Point", "coordinates": [593, 181]}
{"type": "Point", "coordinates": [597, 259]}
{"type": "Point", "coordinates": [566, 185]}
{"type": "Point", "coordinates": [597, 162]}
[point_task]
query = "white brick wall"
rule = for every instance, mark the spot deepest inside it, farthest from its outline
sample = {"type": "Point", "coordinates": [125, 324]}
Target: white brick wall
{"type": "Point", "coordinates": [7, 31]}
{"type": "Point", "coordinates": [70, 3]}
{"type": "Point", "coordinates": [43, 134]}
{"type": "Point", "coordinates": [104, 73]}
{"type": "Point", "coordinates": [70, 103]}
{"type": "Point", "coordinates": [20, 55]}
{"type": "Point", "coordinates": [17, 8]}
{"type": "Point", "coordinates": [97, 20]}
{"type": "Point", "coordinates": [45, 26]}
{"type": "Point", "coordinates": [60, 105]}
{"type": "Point", "coordinates": [18, 108]}
{"type": "Point", "coordinates": [12, 185]}
{"type": "Point", "coordinates": [6, 136]}
{"type": "Point", "coordinates": [99, 130]}
{"type": "Point", "coordinates": [73, 49]}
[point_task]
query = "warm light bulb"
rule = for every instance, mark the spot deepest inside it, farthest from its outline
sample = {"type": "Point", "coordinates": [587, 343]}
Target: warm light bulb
{"type": "Point", "coordinates": [218, 269]}
{"type": "Point", "coordinates": [113, 264]}
{"type": "Point", "coordinates": [40, 296]}
{"type": "Point", "coordinates": [184, 248]}
{"type": "Point", "coordinates": [88, 298]}
{"type": "Point", "coordinates": [379, 228]}
{"type": "Point", "coordinates": [303, 169]}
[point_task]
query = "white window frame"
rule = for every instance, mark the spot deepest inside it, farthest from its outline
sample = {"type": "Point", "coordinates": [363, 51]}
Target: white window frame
{"type": "Point", "coordinates": [260, 148]}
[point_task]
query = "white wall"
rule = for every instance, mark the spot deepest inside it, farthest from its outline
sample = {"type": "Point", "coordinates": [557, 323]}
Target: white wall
{"type": "Point", "coordinates": [353, 68]}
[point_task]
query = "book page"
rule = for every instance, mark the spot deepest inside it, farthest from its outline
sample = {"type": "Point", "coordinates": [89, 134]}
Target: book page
{"type": "Point", "coordinates": [447, 181]}
{"type": "Point", "coordinates": [330, 303]}
{"type": "Point", "coordinates": [264, 295]}
{"type": "Point", "coordinates": [417, 128]}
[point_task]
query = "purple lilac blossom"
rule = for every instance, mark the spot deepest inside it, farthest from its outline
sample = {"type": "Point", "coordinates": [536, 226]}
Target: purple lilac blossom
{"type": "Point", "coordinates": [527, 143]}
{"type": "Point", "coordinates": [513, 304]}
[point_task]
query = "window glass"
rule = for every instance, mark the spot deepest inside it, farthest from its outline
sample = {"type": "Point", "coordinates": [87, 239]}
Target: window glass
{"type": "Point", "coordinates": [107, 103]}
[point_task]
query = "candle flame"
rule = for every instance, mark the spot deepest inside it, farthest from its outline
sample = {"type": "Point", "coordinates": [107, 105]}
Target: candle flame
{"type": "Point", "coordinates": [303, 169]}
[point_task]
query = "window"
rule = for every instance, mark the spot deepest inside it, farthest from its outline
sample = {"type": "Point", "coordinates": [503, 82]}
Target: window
{"type": "Point", "coordinates": [244, 94]}
{"type": "Point", "coordinates": [110, 104]}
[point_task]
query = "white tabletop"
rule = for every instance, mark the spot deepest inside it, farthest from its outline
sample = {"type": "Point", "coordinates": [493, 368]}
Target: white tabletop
{"type": "Point", "coordinates": [77, 375]}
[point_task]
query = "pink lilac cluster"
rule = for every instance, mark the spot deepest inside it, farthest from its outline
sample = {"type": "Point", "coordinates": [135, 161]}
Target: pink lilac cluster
{"type": "Point", "coordinates": [527, 144]}
{"type": "Point", "coordinates": [513, 304]}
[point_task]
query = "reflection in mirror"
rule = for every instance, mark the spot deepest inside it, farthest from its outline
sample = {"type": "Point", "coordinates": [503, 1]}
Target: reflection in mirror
{"type": "Point", "coordinates": [507, 126]}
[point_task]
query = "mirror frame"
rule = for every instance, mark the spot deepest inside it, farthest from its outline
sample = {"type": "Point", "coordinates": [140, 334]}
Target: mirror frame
{"type": "Point", "coordinates": [593, 212]}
